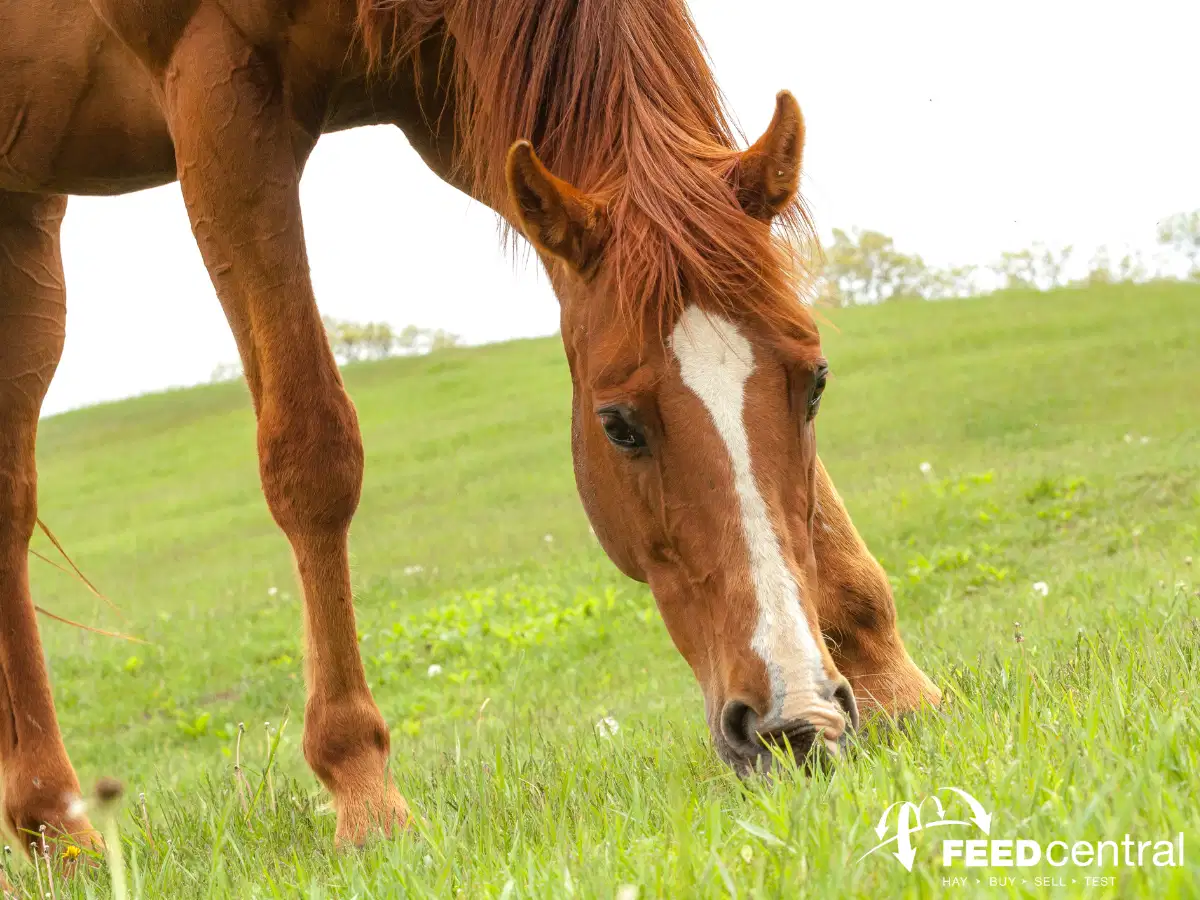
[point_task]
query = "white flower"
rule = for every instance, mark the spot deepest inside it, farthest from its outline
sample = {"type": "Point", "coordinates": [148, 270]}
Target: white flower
{"type": "Point", "coordinates": [747, 853]}
{"type": "Point", "coordinates": [76, 808]}
{"type": "Point", "coordinates": [549, 539]}
{"type": "Point", "coordinates": [413, 570]}
{"type": "Point", "coordinates": [607, 727]}
{"type": "Point", "coordinates": [428, 860]}
{"type": "Point", "coordinates": [1144, 439]}
{"type": "Point", "coordinates": [1129, 438]}
{"type": "Point", "coordinates": [627, 892]}
{"type": "Point", "coordinates": [434, 671]}
{"type": "Point", "coordinates": [1041, 588]}
{"type": "Point", "coordinates": [926, 468]}
{"type": "Point", "coordinates": [272, 591]}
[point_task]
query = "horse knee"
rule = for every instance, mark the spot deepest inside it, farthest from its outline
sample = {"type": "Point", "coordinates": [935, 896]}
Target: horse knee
{"type": "Point", "coordinates": [311, 464]}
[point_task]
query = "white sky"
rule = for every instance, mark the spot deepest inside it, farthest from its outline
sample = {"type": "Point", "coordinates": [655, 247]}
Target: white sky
{"type": "Point", "coordinates": [961, 128]}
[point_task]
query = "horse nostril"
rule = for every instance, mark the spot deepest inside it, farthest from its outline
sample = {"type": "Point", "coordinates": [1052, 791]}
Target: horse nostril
{"type": "Point", "coordinates": [800, 739]}
{"type": "Point", "coordinates": [737, 725]}
{"type": "Point", "coordinates": [844, 697]}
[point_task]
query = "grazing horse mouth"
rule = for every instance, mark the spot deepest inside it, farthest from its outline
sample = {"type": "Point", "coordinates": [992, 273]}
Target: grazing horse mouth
{"type": "Point", "coordinates": [815, 739]}
{"type": "Point", "coordinates": [803, 746]}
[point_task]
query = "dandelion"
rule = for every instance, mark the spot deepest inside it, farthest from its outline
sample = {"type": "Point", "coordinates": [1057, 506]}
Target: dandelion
{"type": "Point", "coordinates": [1041, 588]}
{"type": "Point", "coordinates": [413, 570]}
{"type": "Point", "coordinates": [272, 591]}
{"type": "Point", "coordinates": [549, 538]}
{"type": "Point", "coordinates": [607, 727]}
{"type": "Point", "coordinates": [926, 468]}
{"type": "Point", "coordinates": [434, 671]}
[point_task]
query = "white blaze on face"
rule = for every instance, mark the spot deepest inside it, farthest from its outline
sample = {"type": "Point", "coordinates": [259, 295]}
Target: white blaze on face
{"type": "Point", "coordinates": [716, 361]}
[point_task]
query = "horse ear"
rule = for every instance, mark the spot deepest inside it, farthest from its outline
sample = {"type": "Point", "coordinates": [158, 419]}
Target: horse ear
{"type": "Point", "coordinates": [768, 173]}
{"type": "Point", "coordinates": [556, 217]}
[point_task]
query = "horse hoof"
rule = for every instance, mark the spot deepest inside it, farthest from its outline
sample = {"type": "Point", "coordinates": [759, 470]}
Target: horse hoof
{"type": "Point", "coordinates": [359, 820]}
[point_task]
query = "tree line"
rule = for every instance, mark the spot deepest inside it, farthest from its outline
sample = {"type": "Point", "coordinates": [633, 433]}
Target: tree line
{"type": "Point", "coordinates": [361, 341]}
{"type": "Point", "coordinates": [864, 266]}
{"type": "Point", "coordinates": [358, 341]}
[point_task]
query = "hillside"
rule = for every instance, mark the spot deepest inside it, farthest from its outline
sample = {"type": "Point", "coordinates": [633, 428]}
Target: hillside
{"type": "Point", "coordinates": [1063, 431]}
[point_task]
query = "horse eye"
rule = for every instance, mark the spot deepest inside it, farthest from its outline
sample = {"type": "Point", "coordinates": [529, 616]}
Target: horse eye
{"type": "Point", "coordinates": [818, 388]}
{"type": "Point", "coordinates": [623, 433]}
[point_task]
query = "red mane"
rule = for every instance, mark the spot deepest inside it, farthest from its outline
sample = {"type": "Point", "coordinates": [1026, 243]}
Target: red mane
{"type": "Point", "coordinates": [618, 99]}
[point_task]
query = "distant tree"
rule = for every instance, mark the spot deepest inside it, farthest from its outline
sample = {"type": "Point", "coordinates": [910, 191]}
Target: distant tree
{"type": "Point", "coordinates": [1039, 268]}
{"type": "Point", "coordinates": [1132, 268]}
{"type": "Point", "coordinates": [408, 339]}
{"type": "Point", "coordinates": [355, 341]}
{"type": "Point", "coordinates": [1052, 265]}
{"type": "Point", "coordinates": [1099, 268]}
{"type": "Point", "coordinates": [442, 340]}
{"type": "Point", "coordinates": [1016, 269]}
{"type": "Point", "coordinates": [943, 284]}
{"type": "Point", "coordinates": [226, 372]}
{"type": "Point", "coordinates": [963, 279]}
{"type": "Point", "coordinates": [1181, 233]}
{"type": "Point", "coordinates": [378, 340]}
{"type": "Point", "coordinates": [865, 267]}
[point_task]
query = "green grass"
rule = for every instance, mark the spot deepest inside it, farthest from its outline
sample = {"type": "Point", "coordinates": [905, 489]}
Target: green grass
{"type": "Point", "coordinates": [1063, 431]}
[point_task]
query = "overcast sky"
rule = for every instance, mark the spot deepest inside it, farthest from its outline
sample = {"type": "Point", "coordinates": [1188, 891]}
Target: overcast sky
{"type": "Point", "coordinates": [960, 128]}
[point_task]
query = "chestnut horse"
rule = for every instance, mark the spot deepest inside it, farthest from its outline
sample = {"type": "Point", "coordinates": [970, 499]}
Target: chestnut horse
{"type": "Point", "coordinates": [696, 371]}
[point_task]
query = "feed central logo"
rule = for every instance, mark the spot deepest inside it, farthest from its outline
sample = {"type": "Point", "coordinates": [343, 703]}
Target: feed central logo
{"type": "Point", "coordinates": [952, 806]}
{"type": "Point", "coordinates": [908, 822]}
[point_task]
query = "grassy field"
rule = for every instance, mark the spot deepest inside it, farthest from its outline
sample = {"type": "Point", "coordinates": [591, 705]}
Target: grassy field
{"type": "Point", "coordinates": [1063, 432]}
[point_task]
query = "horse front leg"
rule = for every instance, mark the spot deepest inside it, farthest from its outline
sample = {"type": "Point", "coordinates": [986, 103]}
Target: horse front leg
{"type": "Point", "coordinates": [239, 167]}
{"type": "Point", "coordinates": [858, 614]}
{"type": "Point", "coordinates": [39, 783]}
